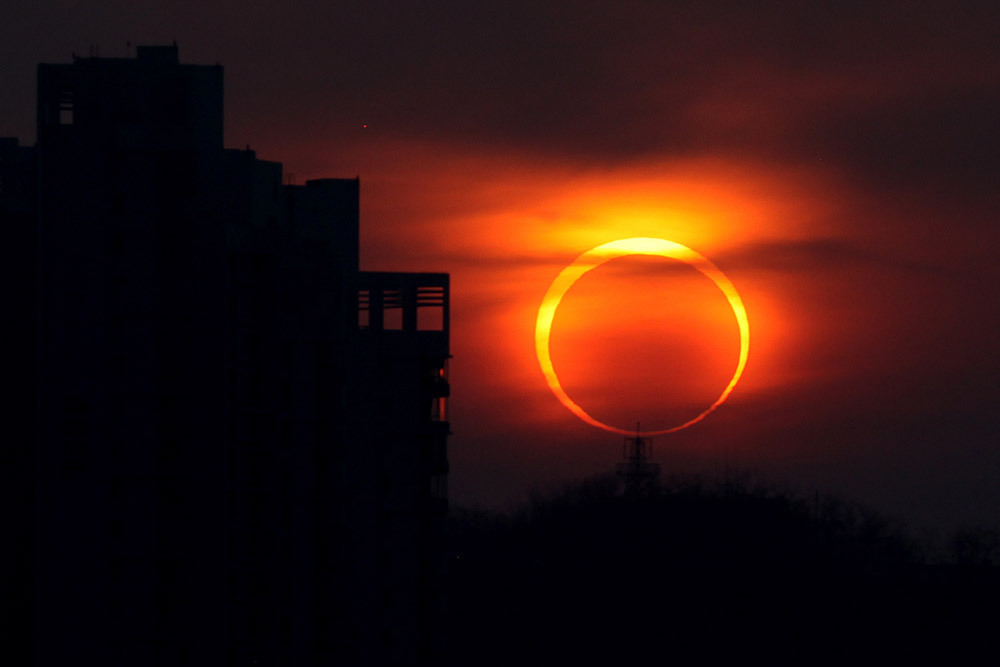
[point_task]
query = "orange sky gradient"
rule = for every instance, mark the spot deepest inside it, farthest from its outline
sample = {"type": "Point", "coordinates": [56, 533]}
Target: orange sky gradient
{"type": "Point", "coordinates": [838, 333]}
{"type": "Point", "coordinates": [837, 163]}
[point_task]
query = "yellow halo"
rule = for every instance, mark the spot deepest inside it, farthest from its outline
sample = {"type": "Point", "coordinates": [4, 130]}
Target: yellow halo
{"type": "Point", "coordinates": [604, 253]}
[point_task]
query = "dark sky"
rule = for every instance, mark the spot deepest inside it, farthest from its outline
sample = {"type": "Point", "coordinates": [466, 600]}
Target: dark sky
{"type": "Point", "coordinates": [839, 161]}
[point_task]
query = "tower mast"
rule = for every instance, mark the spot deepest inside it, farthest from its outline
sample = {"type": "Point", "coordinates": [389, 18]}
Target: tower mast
{"type": "Point", "coordinates": [637, 470]}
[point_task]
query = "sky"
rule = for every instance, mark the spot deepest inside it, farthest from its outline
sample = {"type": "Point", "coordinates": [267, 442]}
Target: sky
{"type": "Point", "coordinates": [839, 162]}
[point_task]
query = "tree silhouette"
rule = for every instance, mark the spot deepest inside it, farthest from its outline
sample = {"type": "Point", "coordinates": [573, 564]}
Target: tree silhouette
{"type": "Point", "coordinates": [698, 569]}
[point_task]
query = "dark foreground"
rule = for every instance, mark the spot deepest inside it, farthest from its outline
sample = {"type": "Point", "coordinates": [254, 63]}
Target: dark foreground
{"type": "Point", "coordinates": [710, 573]}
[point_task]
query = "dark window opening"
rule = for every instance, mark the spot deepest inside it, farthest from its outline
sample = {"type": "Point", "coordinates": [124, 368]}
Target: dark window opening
{"type": "Point", "coordinates": [393, 319]}
{"type": "Point", "coordinates": [430, 318]}
{"type": "Point", "coordinates": [66, 108]}
{"type": "Point", "coordinates": [439, 409]}
{"type": "Point", "coordinates": [364, 309]}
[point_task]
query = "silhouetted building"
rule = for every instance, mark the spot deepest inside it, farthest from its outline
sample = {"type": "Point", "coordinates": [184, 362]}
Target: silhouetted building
{"type": "Point", "coordinates": [236, 463]}
{"type": "Point", "coordinates": [17, 215]}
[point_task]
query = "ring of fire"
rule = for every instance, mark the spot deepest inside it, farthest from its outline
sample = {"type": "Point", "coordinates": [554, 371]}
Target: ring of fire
{"type": "Point", "coordinates": [604, 253]}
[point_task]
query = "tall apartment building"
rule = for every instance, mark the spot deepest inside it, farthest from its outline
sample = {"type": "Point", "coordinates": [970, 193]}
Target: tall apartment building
{"type": "Point", "coordinates": [241, 438]}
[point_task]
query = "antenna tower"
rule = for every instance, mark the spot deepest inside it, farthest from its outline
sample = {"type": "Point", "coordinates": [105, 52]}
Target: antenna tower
{"type": "Point", "coordinates": [637, 470]}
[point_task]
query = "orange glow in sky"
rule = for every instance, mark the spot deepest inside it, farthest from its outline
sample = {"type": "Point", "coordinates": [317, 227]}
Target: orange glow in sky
{"type": "Point", "coordinates": [843, 178]}
{"type": "Point", "coordinates": [604, 253]}
{"type": "Point", "coordinates": [504, 230]}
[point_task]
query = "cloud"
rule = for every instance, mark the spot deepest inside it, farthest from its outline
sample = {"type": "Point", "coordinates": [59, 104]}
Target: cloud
{"type": "Point", "coordinates": [816, 255]}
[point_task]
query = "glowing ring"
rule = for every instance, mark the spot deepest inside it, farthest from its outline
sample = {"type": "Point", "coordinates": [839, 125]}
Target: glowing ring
{"type": "Point", "coordinates": [604, 253]}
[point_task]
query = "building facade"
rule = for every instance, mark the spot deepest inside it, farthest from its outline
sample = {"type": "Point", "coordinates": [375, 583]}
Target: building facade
{"type": "Point", "coordinates": [241, 437]}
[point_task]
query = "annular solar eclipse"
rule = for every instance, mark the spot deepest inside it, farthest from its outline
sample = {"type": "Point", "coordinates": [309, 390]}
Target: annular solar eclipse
{"type": "Point", "coordinates": [606, 252]}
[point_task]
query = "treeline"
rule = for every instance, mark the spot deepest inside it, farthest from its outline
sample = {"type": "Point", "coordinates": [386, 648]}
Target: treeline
{"type": "Point", "coordinates": [705, 571]}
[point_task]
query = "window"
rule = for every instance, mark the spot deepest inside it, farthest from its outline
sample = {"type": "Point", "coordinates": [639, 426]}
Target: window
{"type": "Point", "coordinates": [430, 318]}
{"type": "Point", "coordinates": [66, 107]}
{"type": "Point", "coordinates": [439, 409]}
{"type": "Point", "coordinates": [430, 308]}
{"type": "Point", "coordinates": [364, 309]}
{"type": "Point", "coordinates": [392, 319]}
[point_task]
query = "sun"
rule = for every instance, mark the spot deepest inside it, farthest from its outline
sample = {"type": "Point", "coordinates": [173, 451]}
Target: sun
{"type": "Point", "coordinates": [606, 252]}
